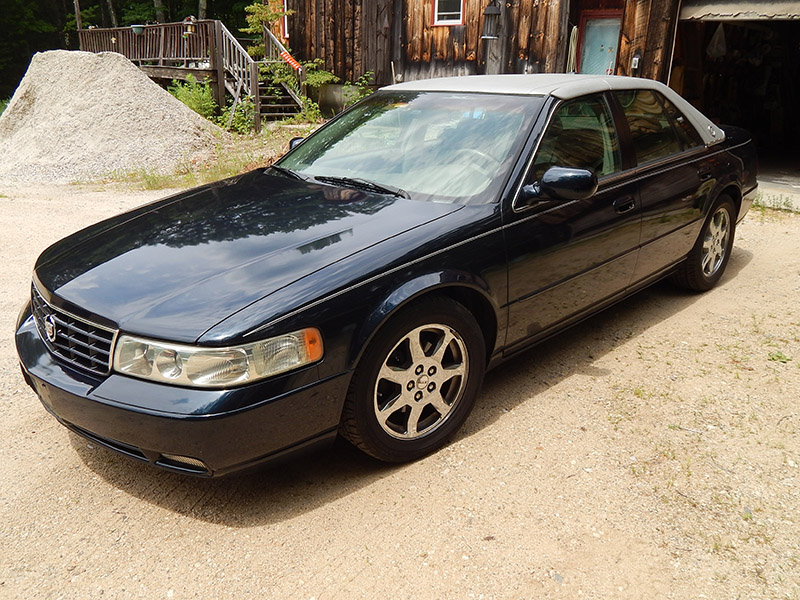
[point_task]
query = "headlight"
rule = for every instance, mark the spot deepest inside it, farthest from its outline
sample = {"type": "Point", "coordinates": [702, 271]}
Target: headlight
{"type": "Point", "coordinates": [197, 366]}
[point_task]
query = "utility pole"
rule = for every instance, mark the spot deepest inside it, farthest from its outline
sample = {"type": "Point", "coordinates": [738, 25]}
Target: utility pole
{"type": "Point", "coordinates": [78, 23]}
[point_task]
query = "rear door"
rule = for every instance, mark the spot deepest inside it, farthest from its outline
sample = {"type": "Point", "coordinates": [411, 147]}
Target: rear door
{"type": "Point", "coordinates": [568, 256]}
{"type": "Point", "coordinates": [674, 177]}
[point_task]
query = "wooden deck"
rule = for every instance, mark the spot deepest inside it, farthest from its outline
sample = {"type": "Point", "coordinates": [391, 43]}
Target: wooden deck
{"type": "Point", "coordinates": [204, 49]}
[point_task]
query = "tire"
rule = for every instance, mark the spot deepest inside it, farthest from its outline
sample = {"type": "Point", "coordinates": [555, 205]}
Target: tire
{"type": "Point", "coordinates": [706, 262]}
{"type": "Point", "coordinates": [416, 383]}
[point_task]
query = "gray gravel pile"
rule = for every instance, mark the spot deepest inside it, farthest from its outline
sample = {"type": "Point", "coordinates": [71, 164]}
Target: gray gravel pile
{"type": "Point", "coordinates": [78, 116]}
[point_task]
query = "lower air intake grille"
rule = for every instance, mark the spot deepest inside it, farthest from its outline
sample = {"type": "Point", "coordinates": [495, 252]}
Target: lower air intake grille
{"type": "Point", "coordinates": [75, 341]}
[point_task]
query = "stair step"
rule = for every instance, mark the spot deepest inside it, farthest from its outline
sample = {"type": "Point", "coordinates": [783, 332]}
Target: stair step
{"type": "Point", "coordinates": [272, 99]}
{"type": "Point", "coordinates": [280, 106]}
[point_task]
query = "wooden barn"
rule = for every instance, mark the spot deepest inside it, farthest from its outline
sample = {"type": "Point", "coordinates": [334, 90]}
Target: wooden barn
{"type": "Point", "coordinates": [414, 39]}
{"type": "Point", "coordinates": [738, 61]}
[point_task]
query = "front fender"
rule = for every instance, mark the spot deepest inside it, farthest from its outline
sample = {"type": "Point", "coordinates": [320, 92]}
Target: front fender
{"type": "Point", "coordinates": [409, 291]}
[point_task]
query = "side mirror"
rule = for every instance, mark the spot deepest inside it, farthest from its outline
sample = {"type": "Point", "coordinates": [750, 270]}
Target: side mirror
{"type": "Point", "coordinates": [295, 142]}
{"type": "Point", "coordinates": [562, 183]}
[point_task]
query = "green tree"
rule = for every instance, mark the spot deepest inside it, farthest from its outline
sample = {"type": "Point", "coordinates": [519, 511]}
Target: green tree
{"type": "Point", "coordinates": [30, 26]}
{"type": "Point", "coordinates": [27, 27]}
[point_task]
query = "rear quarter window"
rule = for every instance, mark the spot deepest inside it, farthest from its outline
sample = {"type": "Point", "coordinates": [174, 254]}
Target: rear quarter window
{"type": "Point", "coordinates": [686, 132]}
{"type": "Point", "coordinates": [654, 137]}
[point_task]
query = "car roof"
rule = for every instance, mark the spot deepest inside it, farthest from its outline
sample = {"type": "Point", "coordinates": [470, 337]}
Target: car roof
{"type": "Point", "coordinates": [564, 86]}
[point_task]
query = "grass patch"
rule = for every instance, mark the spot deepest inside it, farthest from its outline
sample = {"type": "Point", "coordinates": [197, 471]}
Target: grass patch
{"type": "Point", "coordinates": [778, 356]}
{"type": "Point", "coordinates": [782, 202]}
{"type": "Point", "coordinates": [243, 153]}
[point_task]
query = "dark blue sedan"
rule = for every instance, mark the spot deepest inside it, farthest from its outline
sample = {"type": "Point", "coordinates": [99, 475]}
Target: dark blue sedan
{"type": "Point", "coordinates": [364, 284]}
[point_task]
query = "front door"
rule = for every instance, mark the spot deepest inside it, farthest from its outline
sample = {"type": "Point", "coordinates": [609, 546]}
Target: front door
{"type": "Point", "coordinates": [567, 256]}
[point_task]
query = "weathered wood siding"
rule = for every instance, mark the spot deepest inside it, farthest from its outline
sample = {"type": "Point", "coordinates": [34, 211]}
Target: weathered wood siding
{"type": "Point", "coordinates": [648, 27]}
{"type": "Point", "coordinates": [539, 36]}
{"type": "Point", "coordinates": [351, 36]}
{"type": "Point", "coordinates": [435, 51]}
{"type": "Point", "coordinates": [358, 36]}
{"type": "Point", "coordinates": [534, 33]}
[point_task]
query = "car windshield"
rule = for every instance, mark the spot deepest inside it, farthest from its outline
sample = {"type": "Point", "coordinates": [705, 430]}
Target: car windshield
{"type": "Point", "coordinates": [434, 146]}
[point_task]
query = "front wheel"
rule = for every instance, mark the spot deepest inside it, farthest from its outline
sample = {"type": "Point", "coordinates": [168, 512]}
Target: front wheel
{"type": "Point", "coordinates": [416, 383]}
{"type": "Point", "coordinates": [706, 262]}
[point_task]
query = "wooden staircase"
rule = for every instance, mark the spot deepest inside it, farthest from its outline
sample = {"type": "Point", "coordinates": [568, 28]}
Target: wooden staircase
{"type": "Point", "coordinates": [287, 98]}
{"type": "Point", "coordinates": [207, 50]}
{"type": "Point", "coordinates": [276, 104]}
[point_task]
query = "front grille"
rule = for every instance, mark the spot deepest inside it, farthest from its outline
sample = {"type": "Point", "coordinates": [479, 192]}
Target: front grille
{"type": "Point", "coordinates": [77, 342]}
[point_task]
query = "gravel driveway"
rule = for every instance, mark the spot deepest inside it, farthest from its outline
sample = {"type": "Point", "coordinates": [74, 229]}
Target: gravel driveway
{"type": "Point", "coordinates": [651, 452]}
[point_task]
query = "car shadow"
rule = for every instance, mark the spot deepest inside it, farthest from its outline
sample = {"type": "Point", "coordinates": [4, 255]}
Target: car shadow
{"type": "Point", "coordinates": [274, 495]}
{"type": "Point", "coordinates": [576, 350]}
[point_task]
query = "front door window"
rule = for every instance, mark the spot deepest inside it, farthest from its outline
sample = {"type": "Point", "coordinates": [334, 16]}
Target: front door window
{"type": "Point", "coordinates": [581, 134]}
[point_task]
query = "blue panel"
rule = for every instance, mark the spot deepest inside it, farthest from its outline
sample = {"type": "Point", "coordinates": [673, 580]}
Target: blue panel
{"type": "Point", "coordinates": [599, 49]}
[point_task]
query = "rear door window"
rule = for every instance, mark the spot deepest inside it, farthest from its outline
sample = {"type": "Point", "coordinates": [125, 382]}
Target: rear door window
{"type": "Point", "coordinates": [653, 135]}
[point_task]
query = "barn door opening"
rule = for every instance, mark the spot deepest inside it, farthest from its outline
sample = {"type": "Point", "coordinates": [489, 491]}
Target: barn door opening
{"type": "Point", "coordinates": [744, 71]}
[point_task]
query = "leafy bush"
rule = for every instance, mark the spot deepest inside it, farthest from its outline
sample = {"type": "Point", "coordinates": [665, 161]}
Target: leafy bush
{"type": "Point", "coordinates": [360, 88]}
{"type": "Point", "coordinates": [258, 14]}
{"type": "Point", "coordinates": [316, 76]}
{"type": "Point", "coordinates": [197, 95]}
{"type": "Point", "coordinates": [3, 104]}
{"type": "Point", "coordinates": [243, 121]}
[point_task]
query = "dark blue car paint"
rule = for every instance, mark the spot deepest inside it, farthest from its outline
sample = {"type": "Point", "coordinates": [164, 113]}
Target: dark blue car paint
{"type": "Point", "coordinates": [263, 254]}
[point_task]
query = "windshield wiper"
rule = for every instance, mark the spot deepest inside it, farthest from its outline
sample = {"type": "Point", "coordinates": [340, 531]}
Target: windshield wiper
{"type": "Point", "coordinates": [289, 172]}
{"type": "Point", "coordinates": [364, 184]}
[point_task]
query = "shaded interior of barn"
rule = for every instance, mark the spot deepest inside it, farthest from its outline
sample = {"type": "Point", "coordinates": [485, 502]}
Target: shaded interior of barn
{"type": "Point", "coordinates": [744, 73]}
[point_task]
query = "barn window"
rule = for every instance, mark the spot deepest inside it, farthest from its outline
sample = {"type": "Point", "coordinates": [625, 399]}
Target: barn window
{"type": "Point", "coordinates": [448, 12]}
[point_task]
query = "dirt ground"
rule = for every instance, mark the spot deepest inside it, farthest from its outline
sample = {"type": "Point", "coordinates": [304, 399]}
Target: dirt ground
{"type": "Point", "coordinates": [650, 453]}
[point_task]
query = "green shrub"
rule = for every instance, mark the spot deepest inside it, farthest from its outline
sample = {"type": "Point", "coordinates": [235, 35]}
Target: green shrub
{"type": "Point", "coordinates": [243, 121]}
{"type": "Point", "coordinates": [3, 104]}
{"type": "Point", "coordinates": [360, 88]}
{"type": "Point", "coordinates": [197, 95]}
{"type": "Point", "coordinates": [316, 76]}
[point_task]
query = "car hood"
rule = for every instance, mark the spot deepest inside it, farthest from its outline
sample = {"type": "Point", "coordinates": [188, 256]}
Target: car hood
{"type": "Point", "coordinates": [175, 268]}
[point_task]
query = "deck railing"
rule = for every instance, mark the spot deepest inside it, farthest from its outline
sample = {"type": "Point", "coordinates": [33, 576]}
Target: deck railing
{"type": "Point", "coordinates": [205, 47]}
{"type": "Point", "coordinates": [185, 44]}
{"type": "Point", "coordinates": [276, 53]}
{"type": "Point", "coordinates": [238, 64]}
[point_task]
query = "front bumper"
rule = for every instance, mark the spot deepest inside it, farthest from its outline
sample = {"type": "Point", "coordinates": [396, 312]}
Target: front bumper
{"type": "Point", "coordinates": [199, 432]}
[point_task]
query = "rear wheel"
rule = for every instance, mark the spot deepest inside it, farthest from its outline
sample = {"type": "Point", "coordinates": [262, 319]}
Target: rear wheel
{"type": "Point", "coordinates": [706, 263]}
{"type": "Point", "coordinates": [416, 382]}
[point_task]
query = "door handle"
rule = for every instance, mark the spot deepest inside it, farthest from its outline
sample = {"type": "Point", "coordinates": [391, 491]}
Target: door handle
{"type": "Point", "coordinates": [624, 205]}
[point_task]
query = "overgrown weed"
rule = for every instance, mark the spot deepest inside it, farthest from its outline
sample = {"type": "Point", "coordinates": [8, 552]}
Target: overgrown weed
{"type": "Point", "coordinates": [238, 155]}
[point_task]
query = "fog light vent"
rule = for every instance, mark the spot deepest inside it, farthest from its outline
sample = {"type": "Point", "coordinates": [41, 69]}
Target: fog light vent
{"type": "Point", "coordinates": [183, 462]}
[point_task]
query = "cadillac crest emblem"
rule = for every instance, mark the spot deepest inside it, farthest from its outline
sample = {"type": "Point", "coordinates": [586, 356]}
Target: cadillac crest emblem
{"type": "Point", "coordinates": [50, 328]}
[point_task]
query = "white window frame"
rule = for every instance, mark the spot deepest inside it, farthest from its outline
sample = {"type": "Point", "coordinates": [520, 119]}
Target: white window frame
{"type": "Point", "coordinates": [439, 21]}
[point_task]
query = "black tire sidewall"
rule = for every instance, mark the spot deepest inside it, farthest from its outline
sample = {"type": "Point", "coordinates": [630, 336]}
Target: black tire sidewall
{"type": "Point", "coordinates": [690, 274]}
{"type": "Point", "coordinates": [361, 394]}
